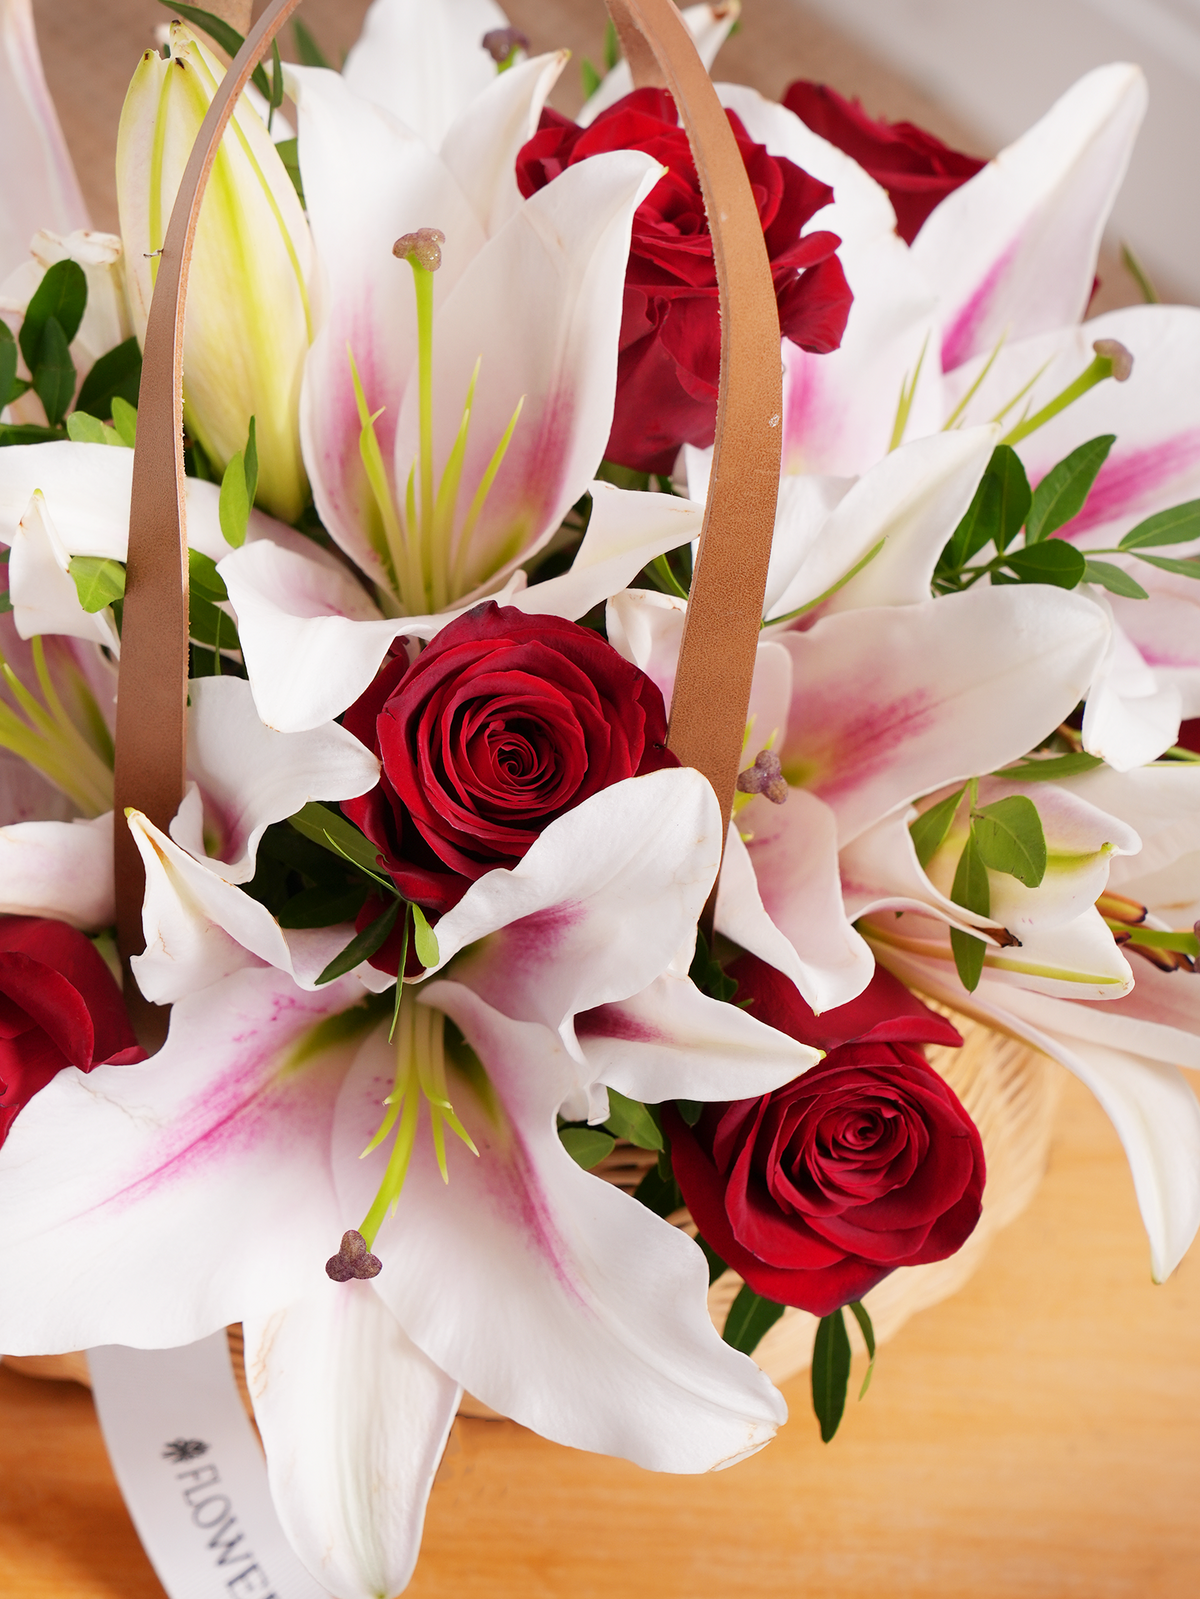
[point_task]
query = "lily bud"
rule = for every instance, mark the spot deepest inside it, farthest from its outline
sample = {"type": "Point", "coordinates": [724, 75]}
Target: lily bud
{"type": "Point", "coordinates": [248, 318]}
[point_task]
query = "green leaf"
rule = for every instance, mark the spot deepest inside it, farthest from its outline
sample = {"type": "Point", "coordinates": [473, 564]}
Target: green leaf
{"type": "Point", "coordinates": [1014, 494]}
{"type": "Point", "coordinates": [276, 97]}
{"type": "Point", "coordinates": [98, 581]}
{"type": "Point", "coordinates": [208, 625]}
{"type": "Point", "coordinates": [589, 78]}
{"type": "Point", "coordinates": [288, 151]}
{"type": "Point", "coordinates": [62, 294]}
{"type": "Point", "coordinates": [425, 939]}
{"type": "Point", "coordinates": [968, 952]}
{"type": "Point", "coordinates": [612, 46]}
{"type": "Point", "coordinates": [863, 1318]}
{"type": "Point", "coordinates": [227, 36]}
{"type": "Point", "coordinates": [85, 429]}
{"type": "Point", "coordinates": [323, 907]}
{"type": "Point", "coordinates": [5, 603]}
{"type": "Point", "coordinates": [690, 1110]}
{"type": "Point", "coordinates": [54, 373]}
{"type": "Point", "coordinates": [8, 368]}
{"type": "Point", "coordinates": [1050, 770]}
{"type": "Point", "coordinates": [116, 375]}
{"type": "Point", "coordinates": [930, 828]}
{"type": "Point", "coordinates": [234, 505]}
{"type": "Point", "coordinates": [1189, 567]}
{"type": "Point", "coordinates": [27, 433]}
{"type": "Point", "coordinates": [830, 1372]}
{"type": "Point", "coordinates": [657, 1192]}
{"type": "Point", "coordinates": [629, 1119]}
{"type": "Point", "coordinates": [1009, 838]}
{"type": "Point", "coordinates": [1175, 526]}
{"type": "Point", "coordinates": [307, 48]}
{"type": "Point", "coordinates": [1061, 493]}
{"type": "Point", "coordinates": [587, 1146]}
{"type": "Point", "coordinates": [203, 577]}
{"type": "Point", "coordinates": [362, 946]}
{"type": "Point", "coordinates": [979, 526]}
{"type": "Point", "coordinates": [1113, 578]}
{"type": "Point", "coordinates": [334, 833]}
{"type": "Point", "coordinates": [971, 888]}
{"type": "Point", "coordinates": [1055, 562]}
{"type": "Point", "coordinates": [124, 415]}
{"type": "Point", "coordinates": [750, 1318]}
{"type": "Point", "coordinates": [707, 974]}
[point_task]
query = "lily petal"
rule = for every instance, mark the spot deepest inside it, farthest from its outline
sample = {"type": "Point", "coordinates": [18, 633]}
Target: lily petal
{"type": "Point", "coordinates": [551, 1295]}
{"type": "Point", "coordinates": [1013, 251]}
{"type": "Point", "coordinates": [354, 1419]}
{"type": "Point", "coordinates": [139, 1182]}
{"type": "Point", "coordinates": [43, 594]}
{"type": "Point", "coordinates": [59, 869]}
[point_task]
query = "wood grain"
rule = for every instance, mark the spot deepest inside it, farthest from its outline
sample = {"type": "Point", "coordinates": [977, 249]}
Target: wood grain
{"type": "Point", "coordinates": [1033, 1438]}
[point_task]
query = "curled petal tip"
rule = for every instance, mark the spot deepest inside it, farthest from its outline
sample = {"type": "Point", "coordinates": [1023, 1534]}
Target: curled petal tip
{"type": "Point", "coordinates": [353, 1260]}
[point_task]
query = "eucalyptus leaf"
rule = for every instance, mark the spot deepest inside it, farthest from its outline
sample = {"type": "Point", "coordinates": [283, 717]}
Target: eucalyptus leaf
{"type": "Point", "coordinates": [334, 833]}
{"type": "Point", "coordinates": [1055, 562]}
{"type": "Point", "coordinates": [98, 581]}
{"type": "Point", "coordinates": [749, 1320]}
{"type": "Point", "coordinates": [124, 417]}
{"type": "Point", "coordinates": [116, 375]}
{"type": "Point", "coordinates": [54, 372]}
{"type": "Point", "coordinates": [203, 577]}
{"type": "Point", "coordinates": [629, 1119]}
{"type": "Point", "coordinates": [362, 946]}
{"type": "Point", "coordinates": [587, 1146]}
{"type": "Point", "coordinates": [1009, 838]}
{"type": "Point", "coordinates": [1177, 525]}
{"type": "Point", "coordinates": [425, 939]}
{"type": "Point", "coordinates": [1062, 492]}
{"type": "Point", "coordinates": [929, 830]}
{"type": "Point", "coordinates": [1190, 567]}
{"type": "Point", "coordinates": [1113, 578]}
{"type": "Point", "coordinates": [62, 295]}
{"type": "Point", "coordinates": [830, 1372]}
{"type": "Point", "coordinates": [1051, 770]}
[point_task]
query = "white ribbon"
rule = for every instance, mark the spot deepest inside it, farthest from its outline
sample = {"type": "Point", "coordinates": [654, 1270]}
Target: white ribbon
{"type": "Point", "coordinates": [192, 1472]}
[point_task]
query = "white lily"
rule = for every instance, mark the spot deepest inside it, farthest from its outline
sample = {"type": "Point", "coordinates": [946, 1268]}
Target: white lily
{"type": "Point", "coordinates": [249, 319]}
{"type": "Point", "coordinates": [39, 187]}
{"type": "Point", "coordinates": [553, 1297]}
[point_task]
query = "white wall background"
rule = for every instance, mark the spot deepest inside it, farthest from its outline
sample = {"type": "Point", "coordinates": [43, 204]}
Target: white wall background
{"type": "Point", "coordinates": [999, 64]}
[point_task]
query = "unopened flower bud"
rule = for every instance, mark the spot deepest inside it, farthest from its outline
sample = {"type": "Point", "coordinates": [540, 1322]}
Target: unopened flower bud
{"type": "Point", "coordinates": [353, 1260]}
{"type": "Point", "coordinates": [423, 248]}
{"type": "Point", "coordinates": [764, 777]}
{"type": "Point", "coordinates": [1113, 350]}
{"type": "Point", "coordinates": [501, 42]}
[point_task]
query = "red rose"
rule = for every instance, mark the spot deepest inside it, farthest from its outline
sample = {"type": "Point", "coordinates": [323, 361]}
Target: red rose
{"type": "Point", "coordinates": [814, 1193]}
{"type": "Point", "coordinates": [503, 723]}
{"type": "Point", "coordinates": [59, 1006]}
{"type": "Point", "coordinates": [671, 331]}
{"type": "Point", "coordinates": [917, 170]}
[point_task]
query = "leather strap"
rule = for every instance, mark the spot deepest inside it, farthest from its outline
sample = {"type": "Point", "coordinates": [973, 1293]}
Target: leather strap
{"type": "Point", "coordinates": [151, 754]}
{"type": "Point", "coordinates": [720, 640]}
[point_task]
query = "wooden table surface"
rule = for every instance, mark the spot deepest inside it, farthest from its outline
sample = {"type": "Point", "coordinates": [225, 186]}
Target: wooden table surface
{"type": "Point", "coordinates": [1035, 1436]}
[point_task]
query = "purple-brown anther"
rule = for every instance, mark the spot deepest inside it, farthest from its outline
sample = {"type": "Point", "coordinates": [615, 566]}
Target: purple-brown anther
{"type": "Point", "coordinates": [1113, 350]}
{"type": "Point", "coordinates": [764, 777]}
{"type": "Point", "coordinates": [501, 42]}
{"type": "Point", "coordinates": [353, 1260]}
{"type": "Point", "coordinates": [422, 248]}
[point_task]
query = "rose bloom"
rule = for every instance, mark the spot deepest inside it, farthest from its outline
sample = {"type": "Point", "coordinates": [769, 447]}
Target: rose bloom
{"type": "Point", "coordinates": [670, 330]}
{"type": "Point", "coordinates": [59, 1006]}
{"type": "Point", "coordinates": [814, 1193]}
{"type": "Point", "coordinates": [917, 170]}
{"type": "Point", "coordinates": [500, 725]}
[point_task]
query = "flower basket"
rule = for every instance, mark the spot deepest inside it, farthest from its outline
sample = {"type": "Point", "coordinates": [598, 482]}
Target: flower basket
{"type": "Point", "coordinates": [457, 927]}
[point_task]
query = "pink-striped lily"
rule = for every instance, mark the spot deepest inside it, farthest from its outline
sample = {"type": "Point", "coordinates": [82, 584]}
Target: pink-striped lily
{"type": "Point", "coordinates": [234, 1159]}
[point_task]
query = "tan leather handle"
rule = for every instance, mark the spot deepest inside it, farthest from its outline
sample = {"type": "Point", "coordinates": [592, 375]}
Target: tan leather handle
{"type": "Point", "coordinates": [151, 755]}
{"type": "Point", "coordinates": [720, 640]}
